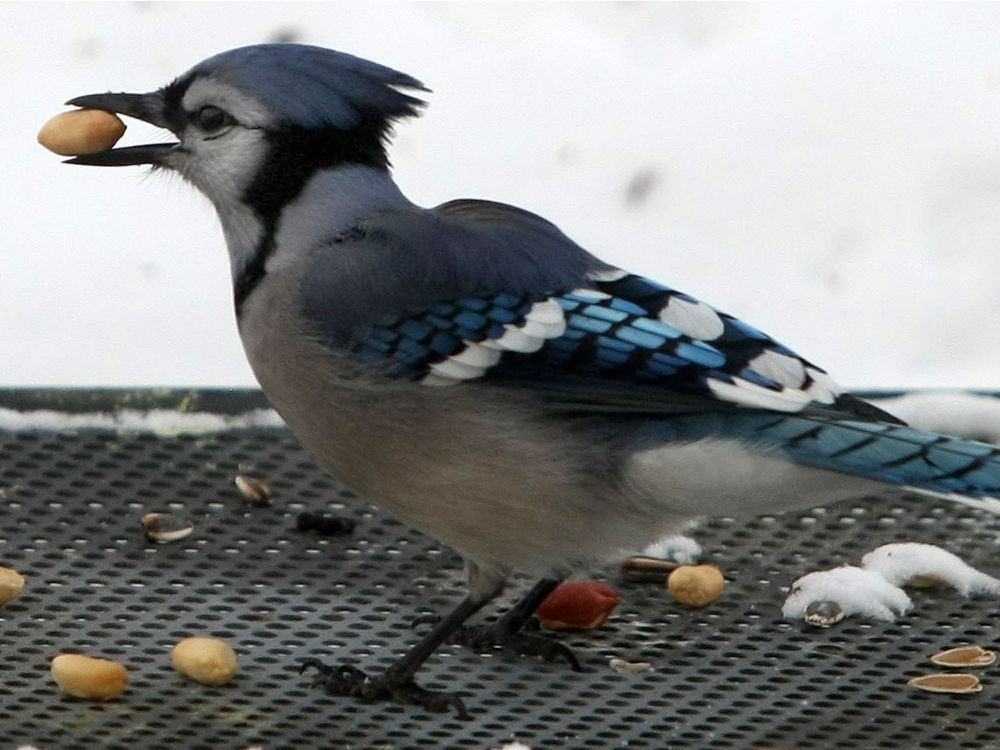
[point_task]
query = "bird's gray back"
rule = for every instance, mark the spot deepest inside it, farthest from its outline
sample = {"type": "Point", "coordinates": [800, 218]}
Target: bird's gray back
{"type": "Point", "coordinates": [402, 260]}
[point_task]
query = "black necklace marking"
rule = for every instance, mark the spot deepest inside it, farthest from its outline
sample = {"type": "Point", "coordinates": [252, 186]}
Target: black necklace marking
{"type": "Point", "coordinates": [294, 156]}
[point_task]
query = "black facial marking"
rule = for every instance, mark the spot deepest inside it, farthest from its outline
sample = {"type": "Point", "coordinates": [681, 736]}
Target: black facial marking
{"type": "Point", "coordinates": [173, 94]}
{"type": "Point", "coordinates": [294, 155]}
{"type": "Point", "coordinates": [253, 272]}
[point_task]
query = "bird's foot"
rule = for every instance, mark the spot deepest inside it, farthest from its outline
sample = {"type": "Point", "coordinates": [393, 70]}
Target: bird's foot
{"type": "Point", "coordinates": [483, 638]}
{"type": "Point", "coordinates": [345, 680]}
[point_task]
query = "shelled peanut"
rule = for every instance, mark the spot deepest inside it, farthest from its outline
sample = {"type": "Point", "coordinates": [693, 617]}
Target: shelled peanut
{"type": "Point", "coordinates": [81, 131]}
{"type": "Point", "coordinates": [210, 661]}
{"type": "Point", "coordinates": [88, 677]}
{"type": "Point", "coordinates": [11, 585]}
{"type": "Point", "coordinates": [696, 585]}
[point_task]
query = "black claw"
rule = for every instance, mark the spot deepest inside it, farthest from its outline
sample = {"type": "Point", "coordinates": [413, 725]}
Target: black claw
{"type": "Point", "coordinates": [314, 663]}
{"type": "Point", "coordinates": [568, 655]}
{"type": "Point", "coordinates": [486, 637]}
{"type": "Point", "coordinates": [348, 681]}
{"type": "Point", "coordinates": [435, 702]}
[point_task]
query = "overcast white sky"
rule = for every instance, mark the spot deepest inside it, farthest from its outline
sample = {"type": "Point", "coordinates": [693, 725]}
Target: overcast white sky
{"type": "Point", "coordinates": [829, 172]}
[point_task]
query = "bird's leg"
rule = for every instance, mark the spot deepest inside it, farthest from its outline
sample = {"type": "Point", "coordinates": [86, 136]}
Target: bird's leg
{"type": "Point", "coordinates": [506, 631]}
{"type": "Point", "coordinates": [397, 682]}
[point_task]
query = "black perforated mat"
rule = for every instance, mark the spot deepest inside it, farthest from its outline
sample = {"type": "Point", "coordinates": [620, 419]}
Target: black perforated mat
{"type": "Point", "coordinates": [733, 675]}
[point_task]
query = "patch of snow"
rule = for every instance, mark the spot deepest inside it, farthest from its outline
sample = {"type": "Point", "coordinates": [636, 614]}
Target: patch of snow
{"type": "Point", "coordinates": [858, 591]}
{"type": "Point", "coordinates": [678, 548]}
{"type": "Point", "coordinates": [902, 563]}
{"type": "Point", "coordinates": [158, 421]}
{"type": "Point", "coordinates": [874, 590]}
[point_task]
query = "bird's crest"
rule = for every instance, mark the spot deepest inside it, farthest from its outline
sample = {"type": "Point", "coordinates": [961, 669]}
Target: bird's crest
{"type": "Point", "coordinates": [312, 87]}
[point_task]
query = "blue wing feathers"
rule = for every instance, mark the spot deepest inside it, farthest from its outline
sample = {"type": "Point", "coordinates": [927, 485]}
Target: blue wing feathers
{"type": "Point", "coordinates": [885, 452]}
{"type": "Point", "coordinates": [418, 286]}
{"type": "Point", "coordinates": [602, 334]}
{"type": "Point", "coordinates": [899, 455]}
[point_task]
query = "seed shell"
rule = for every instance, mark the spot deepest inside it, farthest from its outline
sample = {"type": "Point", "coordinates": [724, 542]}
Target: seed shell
{"type": "Point", "coordinates": [647, 569]}
{"type": "Point", "coordinates": [823, 614]}
{"type": "Point", "coordinates": [965, 656]}
{"type": "Point", "coordinates": [256, 491]}
{"type": "Point", "coordinates": [946, 683]}
{"type": "Point", "coordinates": [629, 667]}
{"type": "Point", "coordinates": [164, 527]}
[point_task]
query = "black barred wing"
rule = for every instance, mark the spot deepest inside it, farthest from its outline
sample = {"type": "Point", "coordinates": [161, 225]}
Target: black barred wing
{"type": "Point", "coordinates": [620, 336]}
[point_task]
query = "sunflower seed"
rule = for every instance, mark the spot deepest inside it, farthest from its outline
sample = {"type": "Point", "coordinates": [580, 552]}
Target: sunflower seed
{"type": "Point", "coordinates": [946, 683]}
{"type": "Point", "coordinates": [164, 527]}
{"type": "Point", "coordinates": [256, 491]}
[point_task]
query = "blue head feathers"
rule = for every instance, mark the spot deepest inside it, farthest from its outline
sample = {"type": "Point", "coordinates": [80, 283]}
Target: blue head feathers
{"type": "Point", "coordinates": [313, 87]}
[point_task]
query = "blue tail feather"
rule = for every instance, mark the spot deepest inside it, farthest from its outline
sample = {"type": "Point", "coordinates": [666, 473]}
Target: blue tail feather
{"type": "Point", "coordinates": [891, 453]}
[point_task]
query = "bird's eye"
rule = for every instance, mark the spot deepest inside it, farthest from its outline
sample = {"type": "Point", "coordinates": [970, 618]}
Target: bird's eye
{"type": "Point", "coordinates": [210, 118]}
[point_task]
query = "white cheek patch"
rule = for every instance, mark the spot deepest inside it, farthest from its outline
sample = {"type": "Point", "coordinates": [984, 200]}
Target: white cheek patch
{"type": "Point", "coordinates": [544, 321]}
{"type": "Point", "coordinates": [694, 319]}
{"type": "Point", "coordinates": [223, 168]}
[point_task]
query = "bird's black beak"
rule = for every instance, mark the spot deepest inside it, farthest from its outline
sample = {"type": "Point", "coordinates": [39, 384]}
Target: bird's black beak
{"type": "Point", "coordinates": [146, 107]}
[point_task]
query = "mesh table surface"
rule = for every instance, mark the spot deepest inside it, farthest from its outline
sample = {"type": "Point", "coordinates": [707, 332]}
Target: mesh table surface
{"type": "Point", "coordinates": [732, 675]}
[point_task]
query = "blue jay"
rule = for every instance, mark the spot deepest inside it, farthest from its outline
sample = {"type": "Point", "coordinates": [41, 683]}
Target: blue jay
{"type": "Point", "coordinates": [476, 373]}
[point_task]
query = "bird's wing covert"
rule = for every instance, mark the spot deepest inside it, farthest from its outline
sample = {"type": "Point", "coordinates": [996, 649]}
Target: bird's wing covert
{"type": "Point", "coordinates": [608, 344]}
{"type": "Point", "coordinates": [475, 290]}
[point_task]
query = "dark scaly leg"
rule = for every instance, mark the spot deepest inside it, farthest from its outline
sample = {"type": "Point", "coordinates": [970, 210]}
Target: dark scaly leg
{"type": "Point", "coordinates": [397, 682]}
{"type": "Point", "coordinates": [506, 631]}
